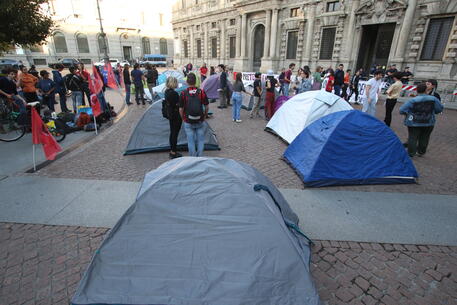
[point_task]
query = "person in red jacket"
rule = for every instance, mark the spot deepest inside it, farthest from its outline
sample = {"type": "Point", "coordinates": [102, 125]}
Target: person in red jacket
{"type": "Point", "coordinates": [203, 72]}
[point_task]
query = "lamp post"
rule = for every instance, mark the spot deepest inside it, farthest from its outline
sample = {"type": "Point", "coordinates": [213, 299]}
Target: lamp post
{"type": "Point", "coordinates": [103, 35]}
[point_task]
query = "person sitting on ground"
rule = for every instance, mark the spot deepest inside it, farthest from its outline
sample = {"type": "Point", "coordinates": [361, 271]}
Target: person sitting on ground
{"type": "Point", "coordinates": [420, 119]}
{"type": "Point", "coordinates": [174, 118]}
{"type": "Point", "coordinates": [237, 98]}
{"type": "Point", "coordinates": [193, 108]}
{"type": "Point", "coordinates": [393, 92]}
{"type": "Point", "coordinates": [46, 88]}
{"type": "Point", "coordinates": [257, 96]}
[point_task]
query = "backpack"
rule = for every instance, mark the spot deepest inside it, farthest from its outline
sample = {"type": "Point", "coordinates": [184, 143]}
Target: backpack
{"type": "Point", "coordinates": [165, 109]}
{"type": "Point", "coordinates": [281, 77]}
{"type": "Point", "coordinates": [194, 107]}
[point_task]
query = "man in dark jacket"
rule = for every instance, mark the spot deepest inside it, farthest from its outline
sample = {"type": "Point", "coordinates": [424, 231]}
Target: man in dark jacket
{"type": "Point", "coordinates": [60, 87]}
{"type": "Point", "coordinates": [420, 119]}
{"type": "Point", "coordinates": [74, 82]}
{"type": "Point", "coordinates": [339, 79]}
{"type": "Point", "coordinates": [223, 87]}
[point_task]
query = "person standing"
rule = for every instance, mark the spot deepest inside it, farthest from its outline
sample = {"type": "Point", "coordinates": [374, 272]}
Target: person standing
{"type": "Point", "coordinates": [33, 71]}
{"type": "Point", "coordinates": [174, 118]}
{"type": "Point", "coordinates": [406, 76]}
{"type": "Point", "coordinates": [237, 98]}
{"type": "Point", "coordinates": [74, 83]}
{"type": "Point", "coordinates": [193, 108]}
{"type": "Point", "coordinates": [317, 78]}
{"type": "Point", "coordinates": [355, 79]}
{"type": "Point", "coordinates": [330, 80]}
{"type": "Point", "coordinates": [372, 89]}
{"type": "Point", "coordinates": [432, 86]}
{"type": "Point", "coordinates": [138, 78]}
{"type": "Point", "coordinates": [189, 68]}
{"type": "Point", "coordinates": [212, 71]}
{"type": "Point", "coordinates": [223, 87]}
{"type": "Point", "coordinates": [287, 79]}
{"type": "Point", "coordinates": [257, 96]}
{"type": "Point", "coordinates": [46, 88]}
{"type": "Point", "coordinates": [151, 77]}
{"type": "Point", "coordinates": [8, 90]}
{"type": "Point", "coordinates": [85, 86]}
{"type": "Point", "coordinates": [393, 92]}
{"type": "Point", "coordinates": [203, 72]}
{"type": "Point", "coordinates": [28, 84]}
{"type": "Point", "coordinates": [420, 119]}
{"type": "Point", "coordinates": [271, 85]}
{"type": "Point", "coordinates": [305, 84]}
{"type": "Point", "coordinates": [60, 87]}
{"type": "Point", "coordinates": [339, 80]}
{"type": "Point", "coordinates": [127, 84]}
{"type": "Point", "coordinates": [347, 77]}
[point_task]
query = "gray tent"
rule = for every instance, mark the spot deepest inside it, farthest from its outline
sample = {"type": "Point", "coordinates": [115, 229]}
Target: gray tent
{"type": "Point", "coordinates": [203, 231]}
{"type": "Point", "coordinates": [153, 131]}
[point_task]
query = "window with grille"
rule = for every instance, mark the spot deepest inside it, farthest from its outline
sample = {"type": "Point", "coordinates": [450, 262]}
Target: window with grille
{"type": "Point", "coordinates": [214, 47]}
{"type": "Point", "coordinates": [186, 51]}
{"type": "Point", "coordinates": [60, 43]}
{"type": "Point", "coordinates": [232, 49]}
{"type": "Point", "coordinates": [163, 46]}
{"type": "Point", "coordinates": [333, 6]}
{"type": "Point", "coordinates": [292, 41]}
{"type": "Point", "coordinates": [294, 12]}
{"type": "Point", "coordinates": [199, 48]}
{"type": "Point", "coordinates": [436, 38]}
{"type": "Point", "coordinates": [146, 46]}
{"type": "Point", "coordinates": [327, 43]}
{"type": "Point", "coordinates": [39, 61]}
{"type": "Point", "coordinates": [232, 21]}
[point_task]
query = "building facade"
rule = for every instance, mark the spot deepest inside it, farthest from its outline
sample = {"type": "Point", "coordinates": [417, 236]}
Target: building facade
{"type": "Point", "coordinates": [257, 35]}
{"type": "Point", "coordinates": [132, 29]}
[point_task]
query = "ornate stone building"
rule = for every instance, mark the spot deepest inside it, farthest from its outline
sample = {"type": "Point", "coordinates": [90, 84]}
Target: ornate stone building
{"type": "Point", "coordinates": [251, 35]}
{"type": "Point", "coordinates": [132, 29]}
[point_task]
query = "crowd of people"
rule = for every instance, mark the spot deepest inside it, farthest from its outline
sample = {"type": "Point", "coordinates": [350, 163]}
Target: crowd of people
{"type": "Point", "coordinates": [28, 85]}
{"type": "Point", "coordinates": [419, 111]}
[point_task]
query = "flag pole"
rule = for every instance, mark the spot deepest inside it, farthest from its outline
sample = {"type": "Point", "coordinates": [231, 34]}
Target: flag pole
{"type": "Point", "coordinates": [34, 161]}
{"type": "Point", "coordinates": [95, 124]}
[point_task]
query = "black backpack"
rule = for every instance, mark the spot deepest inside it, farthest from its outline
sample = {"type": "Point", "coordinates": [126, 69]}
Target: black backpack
{"type": "Point", "coordinates": [194, 107]}
{"type": "Point", "coordinates": [165, 109]}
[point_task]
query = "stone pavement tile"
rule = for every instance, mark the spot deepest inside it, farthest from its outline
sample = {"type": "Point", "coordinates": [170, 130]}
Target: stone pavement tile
{"type": "Point", "coordinates": [42, 264]}
{"type": "Point", "coordinates": [102, 157]}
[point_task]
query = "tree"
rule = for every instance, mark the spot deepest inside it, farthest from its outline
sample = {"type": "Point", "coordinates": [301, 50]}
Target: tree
{"type": "Point", "coordinates": [23, 22]}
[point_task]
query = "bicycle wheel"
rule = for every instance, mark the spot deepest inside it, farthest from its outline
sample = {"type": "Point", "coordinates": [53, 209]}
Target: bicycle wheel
{"type": "Point", "coordinates": [58, 134]}
{"type": "Point", "coordinates": [10, 130]}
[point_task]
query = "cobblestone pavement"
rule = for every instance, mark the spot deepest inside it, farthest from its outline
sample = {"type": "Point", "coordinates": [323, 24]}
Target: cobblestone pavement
{"type": "Point", "coordinates": [43, 264]}
{"type": "Point", "coordinates": [248, 142]}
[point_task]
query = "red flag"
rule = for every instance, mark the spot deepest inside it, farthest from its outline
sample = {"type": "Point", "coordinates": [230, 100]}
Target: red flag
{"type": "Point", "coordinates": [111, 78]}
{"type": "Point", "coordinates": [41, 135]}
{"type": "Point", "coordinates": [96, 81]}
{"type": "Point", "coordinates": [95, 104]}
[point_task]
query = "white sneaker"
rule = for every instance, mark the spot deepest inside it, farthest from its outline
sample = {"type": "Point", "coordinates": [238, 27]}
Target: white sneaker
{"type": "Point", "coordinates": [238, 121]}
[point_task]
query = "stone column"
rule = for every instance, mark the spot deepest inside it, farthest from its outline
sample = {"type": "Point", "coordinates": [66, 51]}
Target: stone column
{"type": "Point", "coordinates": [349, 35]}
{"type": "Point", "coordinates": [266, 44]}
{"type": "Point", "coordinates": [222, 54]}
{"type": "Point", "coordinates": [191, 43]}
{"type": "Point", "coordinates": [274, 30]}
{"type": "Point", "coordinates": [243, 35]}
{"type": "Point", "coordinates": [405, 31]}
{"type": "Point", "coordinates": [309, 34]}
{"type": "Point", "coordinates": [205, 42]}
{"type": "Point", "coordinates": [238, 39]}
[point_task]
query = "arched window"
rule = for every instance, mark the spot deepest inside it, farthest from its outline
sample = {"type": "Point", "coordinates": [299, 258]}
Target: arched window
{"type": "Point", "coordinates": [146, 45]}
{"type": "Point", "coordinates": [60, 43]}
{"type": "Point", "coordinates": [83, 44]}
{"type": "Point", "coordinates": [102, 44]}
{"type": "Point", "coordinates": [163, 46]}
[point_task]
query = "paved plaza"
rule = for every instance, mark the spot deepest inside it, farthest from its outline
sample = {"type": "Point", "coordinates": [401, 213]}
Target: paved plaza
{"type": "Point", "coordinates": [42, 264]}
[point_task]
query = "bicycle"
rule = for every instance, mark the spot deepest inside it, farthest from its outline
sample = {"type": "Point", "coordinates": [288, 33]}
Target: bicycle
{"type": "Point", "coordinates": [14, 125]}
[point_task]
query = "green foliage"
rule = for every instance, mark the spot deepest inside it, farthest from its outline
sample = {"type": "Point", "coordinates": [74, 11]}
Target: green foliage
{"type": "Point", "coordinates": [23, 22]}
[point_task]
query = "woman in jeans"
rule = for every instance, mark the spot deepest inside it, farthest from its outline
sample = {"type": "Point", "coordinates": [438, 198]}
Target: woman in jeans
{"type": "Point", "coordinates": [172, 101]}
{"type": "Point", "coordinates": [238, 87]}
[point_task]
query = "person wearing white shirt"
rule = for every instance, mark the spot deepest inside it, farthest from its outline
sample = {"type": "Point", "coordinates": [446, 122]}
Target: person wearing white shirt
{"type": "Point", "coordinates": [372, 90]}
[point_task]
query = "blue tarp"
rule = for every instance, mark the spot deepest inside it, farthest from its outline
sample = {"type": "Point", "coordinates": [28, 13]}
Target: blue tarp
{"type": "Point", "coordinates": [349, 147]}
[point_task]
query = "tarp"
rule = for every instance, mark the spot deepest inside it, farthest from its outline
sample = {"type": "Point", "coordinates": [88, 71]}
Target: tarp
{"type": "Point", "coordinates": [202, 231]}
{"type": "Point", "coordinates": [210, 86]}
{"type": "Point", "coordinates": [303, 109]}
{"type": "Point", "coordinates": [349, 147]}
{"type": "Point", "coordinates": [153, 131]}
